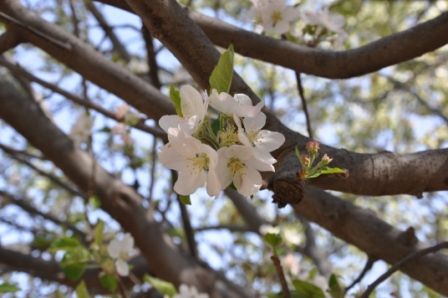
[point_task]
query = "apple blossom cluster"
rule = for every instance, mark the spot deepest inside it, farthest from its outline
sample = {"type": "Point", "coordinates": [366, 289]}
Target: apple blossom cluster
{"type": "Point", "coordinates": [229, 147]}
{"type": "Point", "coordinates": [276, 17]}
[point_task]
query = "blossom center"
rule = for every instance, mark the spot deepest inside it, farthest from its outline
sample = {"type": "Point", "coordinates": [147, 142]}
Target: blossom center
{"type": "Point", "coordinates": [228, 137]}
{"type": "Point", "coordinates": [201, 161]}
{"type": "Point", "coordinates": [276, 17]}
{"type": "Point", "coordinates": [235, 165]}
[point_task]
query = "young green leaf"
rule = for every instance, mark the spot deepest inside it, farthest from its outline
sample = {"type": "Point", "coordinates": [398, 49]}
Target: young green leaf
{"type": "Point", "coordinates": [7, 287]}
{"type": "Point", "coordinates": [109, 282]}
{"type": "Point", "coordinates": [81, 291]}
{"type": "Point", "coordinates": [222, 74]}
{"type": "Point", "coordinates": [274, 240]}
{"type": "Point", "coordinates": [335, 289]}
{"type": "Point", "coordinates": [64, 243]}
{"type": "Point", "coordinates": [304, 289]}
{"type": "Point", "coordinates": [185, 200]}
{"type": "Point", "coordinates": [99, 232]}
{"type": "Point", "coordinates": [175, 98]}
{"type": "Point", "coordinates": [164, 287]}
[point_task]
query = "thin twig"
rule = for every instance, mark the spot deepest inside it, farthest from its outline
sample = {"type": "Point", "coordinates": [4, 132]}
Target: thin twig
{"type": "Point", "coordinates": [281, 275]}
{"type": "Point", "coordinates": [304, 104]}
{"type": "Point", "coordinates": [369, 263]}
{"type": "Point", "coordinates": [401, 263]}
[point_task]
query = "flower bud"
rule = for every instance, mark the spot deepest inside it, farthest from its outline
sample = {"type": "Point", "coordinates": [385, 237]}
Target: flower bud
{"type": "Point", "coordinates": [312, 147]}
{"type": "Point", "coordinates": [326, 159]}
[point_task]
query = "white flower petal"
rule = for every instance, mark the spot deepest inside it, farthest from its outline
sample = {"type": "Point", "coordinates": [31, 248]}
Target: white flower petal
{"type": "Point", "coordinates": [192, 103]}
{"type": "Point", "coordinates": [213, 184]}
{"type": "Point", "coordinates": [255, 123]}
{"type": "Point", "coordinates": [114, 248]}
{"type": "Point", "coordinates": [122, 267]}
{"type": "Point", "coordinates": [269, 140]}
{"type": "Point", "coordinates": [189, 181]}
{"type": "Point", "coordinates": [249, 183]}
{"type": "Point", "coordinates": [170, 121]}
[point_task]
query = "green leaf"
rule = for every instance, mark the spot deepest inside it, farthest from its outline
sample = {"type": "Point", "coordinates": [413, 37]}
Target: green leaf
{"type": "Point", "coordinates": [272, 239]}
{"type": "Point", "coordinates": [304, 289]}
{"type": "Point", "coordinates": [216, 126]}
{"type": "Point", "coordinates": [81, 291]}
{"type": "Point", "coordinates": [332, 170]}
{"type": "Point", "coordinates": [175, 98]}
{"type": "Point", "coordinates": [74, 271]}
{"type": "Point", "coordinates": [164, 287]}
{"type": "Point", "coordinates": [7, 287]}
{"type": "Point", "coordinates": [222, 74]}
{"type": "Point", "coordinates": [185, 200]}
{"type": "Point", "coordinates": [95, 202]}
{"type": "Point", "coordinates": [99, 233]}
{"type": "Point", "coordinates": [65, 243]}
{"type": "Point", "coordinates": [335, 288]}
{"type": "Point", "coordinates": [109, 282]}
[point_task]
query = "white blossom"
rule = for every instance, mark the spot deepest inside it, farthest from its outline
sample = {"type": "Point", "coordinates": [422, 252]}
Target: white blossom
{"type": "Point", "coordinates": [194, 161]}
{"type": "Point", "coordinates": [324, 18]}
{"type": "Point", "coordinates": [189, 292]}
{"type": "Point", "coordinates": [268, 229]}
{"type": "Point", "coordinates": [82, 128]}
{"type": "Point", "coordinates": [237, 164]}
{"type": "Point", "coordinates": [274, 15]}
{"type": "Point", "coordinates": [121, 249]}
{"type": "Point", "coordinates": [263, 141]}
{"type": "Point", "coordinates": [291, 263]}
{"type": "Point", "coordinates": [194, 109]}
{"type": "Point", "coordinates": [239, 105]}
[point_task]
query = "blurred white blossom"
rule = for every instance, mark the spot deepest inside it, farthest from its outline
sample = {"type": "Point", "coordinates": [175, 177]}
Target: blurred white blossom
{"type": "Point", "coordinates": [189, 292]}
{"type": "Point", "coordinates": [121, 249]}
{"type": "Point", "coordinates": [82, 129]}
{"type": "Point", "coordinates": [274, 15]}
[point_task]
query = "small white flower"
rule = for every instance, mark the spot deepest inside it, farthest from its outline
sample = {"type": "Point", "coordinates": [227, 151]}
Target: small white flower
{"type": "Point", "coordinates": [196, 163]}
{"type": "Point", "coordinates": [189, 292]}
{"type": "Point", "coordinates": [324, 18]}
{"type": "Point", "coordinates": [121, 249]}
{"type": "Point", "coordinates": [274, 15]}
{"type": "Point", "coordinates": [268, 229]}
{"type": "Point", "coordinates": [82, 128]}
{"type": "Point", "coordinates": [194, 109]}
{"type": "Point", "coordinates": [291, 236]}
{"type": "Point", "coordinates": [291, 264]}
{"type": "Point", "coordinates": [237, 164]}
{"type": "Point", "coordinates": [239, 105]}
{"type": "Point", "coordinates": [263, 141]}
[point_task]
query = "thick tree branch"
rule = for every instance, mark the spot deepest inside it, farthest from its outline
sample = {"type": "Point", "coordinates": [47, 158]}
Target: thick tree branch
{"type": "Point", "coordinates": [117, 199]}
{"type": "Point", "coordinates": [9, 40]}
{"type": "Point", "coordinates": [386, 51]}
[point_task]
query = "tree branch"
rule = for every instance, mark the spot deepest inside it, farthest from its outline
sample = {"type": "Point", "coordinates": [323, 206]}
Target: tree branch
{"type": "Point", "coordinates": [9, 40]}
{"type": "Point", "coordinates": [375, 237]}
{"type": "Point", "coordinates": [397, 266]}
{"type": "Point", "coordinates": [386, 51]}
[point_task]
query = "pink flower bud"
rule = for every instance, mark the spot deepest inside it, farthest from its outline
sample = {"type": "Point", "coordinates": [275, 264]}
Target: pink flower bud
{"type": "Point", "coordinates": [312, 147]}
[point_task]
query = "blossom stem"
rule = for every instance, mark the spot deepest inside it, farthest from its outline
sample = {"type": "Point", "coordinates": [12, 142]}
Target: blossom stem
{"type": "Point", "coordinates": [281, 275]}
